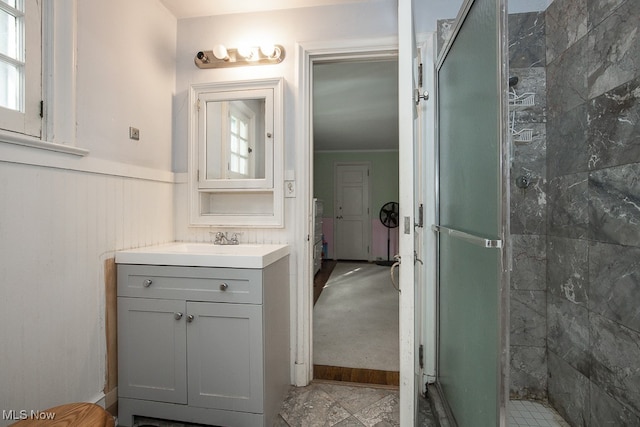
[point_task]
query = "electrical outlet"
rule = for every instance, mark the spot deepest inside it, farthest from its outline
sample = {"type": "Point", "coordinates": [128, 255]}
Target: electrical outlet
{"type": "Point", "coordinates": [134, 133]}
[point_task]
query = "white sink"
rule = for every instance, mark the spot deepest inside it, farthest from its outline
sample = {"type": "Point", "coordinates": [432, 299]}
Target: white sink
{"type": "Point", "coordinates": [205, 255]}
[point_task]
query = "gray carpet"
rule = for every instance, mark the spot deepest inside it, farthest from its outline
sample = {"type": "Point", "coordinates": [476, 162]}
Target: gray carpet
{"type": "Point", "coordinates": [355, 321]}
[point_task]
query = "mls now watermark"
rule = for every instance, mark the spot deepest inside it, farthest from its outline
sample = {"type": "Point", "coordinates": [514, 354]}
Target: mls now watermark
{"type": "Point", "coordinates": [23, 414]}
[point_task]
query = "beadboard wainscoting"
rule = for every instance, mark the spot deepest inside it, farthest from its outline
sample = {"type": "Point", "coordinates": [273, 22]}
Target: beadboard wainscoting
{"type": "Point", "coordinates": [57, 228]}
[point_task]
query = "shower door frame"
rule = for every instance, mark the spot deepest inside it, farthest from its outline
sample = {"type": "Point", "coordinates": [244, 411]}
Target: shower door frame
{"type": "Point", "coordinates": [504, 209]}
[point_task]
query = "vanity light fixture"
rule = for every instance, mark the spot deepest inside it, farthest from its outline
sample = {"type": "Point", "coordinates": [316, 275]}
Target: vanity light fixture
{"type": "Point", "coordinates": [221, 57]}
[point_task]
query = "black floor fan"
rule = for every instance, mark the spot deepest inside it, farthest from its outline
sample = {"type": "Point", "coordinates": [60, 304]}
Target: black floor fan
{"type": "Point", "coordinates": [389, 218]}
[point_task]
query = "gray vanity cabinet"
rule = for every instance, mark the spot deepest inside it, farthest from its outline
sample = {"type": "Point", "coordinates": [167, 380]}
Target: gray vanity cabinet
{"type": "Point", "coordinates": [202, 344]}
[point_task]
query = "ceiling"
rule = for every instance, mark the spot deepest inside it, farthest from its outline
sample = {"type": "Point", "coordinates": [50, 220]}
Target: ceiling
{"type": "Point", "coordinates": [194, 8]}
{"type": "Point", "coordinates": [355, 103]}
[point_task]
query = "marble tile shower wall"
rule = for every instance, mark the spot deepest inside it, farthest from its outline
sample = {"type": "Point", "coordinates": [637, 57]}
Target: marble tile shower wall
{"type": "Point", "coordinates": [593, 212]}
{"type": "Point", "coordinates": [528, 210]}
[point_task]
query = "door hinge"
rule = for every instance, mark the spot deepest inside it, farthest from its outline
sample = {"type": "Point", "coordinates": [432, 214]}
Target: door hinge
{"type": "Point", "coordinates": [198, 175]}
{"type": "Point", "coordinates": [420, 216]}
{"type": "Point", "coordinates": [367, 172]}
{"type": "Point", "coordinates": [41, 109]}
{"type": "Point", "coordinates": [421, 356]}
{"type": "Point", "coordinates": [420, 75]}
{"type": "Point", "coordinates": [367, 249]}
{"type": "Point", "coordinates": [198, 104]}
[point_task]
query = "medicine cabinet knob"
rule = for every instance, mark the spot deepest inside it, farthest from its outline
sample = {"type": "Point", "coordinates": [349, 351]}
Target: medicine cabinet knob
{"type": "Point", "coordinates": [148, 283]}
{"type": "Point", "coordinates": [190, 318]}
{"type": "Point", "coordinates": [224, 287]}
{"type": "Point", "coordinates": [177, 315]}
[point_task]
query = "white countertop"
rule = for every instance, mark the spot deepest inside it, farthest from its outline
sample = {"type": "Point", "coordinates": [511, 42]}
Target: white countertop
{"type": "Point", "coordinates": [246, 255]}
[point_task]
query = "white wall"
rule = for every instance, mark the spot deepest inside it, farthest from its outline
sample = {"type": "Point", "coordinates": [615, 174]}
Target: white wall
{"type": "Point", "coordinates": [61, 215]}
{"type": "Point", "coordinates": [126, 77]}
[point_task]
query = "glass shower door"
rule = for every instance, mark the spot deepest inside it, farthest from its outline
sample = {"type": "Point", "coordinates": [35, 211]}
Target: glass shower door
{"type": "Point", "coordinates": [472, 217]}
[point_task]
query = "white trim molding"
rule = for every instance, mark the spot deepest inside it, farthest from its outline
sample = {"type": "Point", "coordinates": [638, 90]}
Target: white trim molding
{"type": "Point", "coordinates": [59, 46]}
{"type": "Point", "coordinates": [66, 158]}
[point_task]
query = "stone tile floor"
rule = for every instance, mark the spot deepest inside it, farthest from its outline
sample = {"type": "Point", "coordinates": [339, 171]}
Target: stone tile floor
{"type": "Point", "coordinates": [328, 404]}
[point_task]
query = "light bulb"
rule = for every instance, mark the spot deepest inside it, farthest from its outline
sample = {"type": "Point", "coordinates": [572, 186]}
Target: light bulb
{"type": "Point", "coordinates": [220, 52]}
{"type": "Point", "coordinates": [268, 50]}
{"type": "Point", "coordinates": [245, 51]}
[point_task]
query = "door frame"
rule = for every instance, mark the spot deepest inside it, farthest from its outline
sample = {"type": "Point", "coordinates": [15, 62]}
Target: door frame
{"type": "Point", "coordinates": [369, 231]}
{"type": "Point", "coordinates": [307, 54]}
{"type": "Point", "coordinates": [426, 308]}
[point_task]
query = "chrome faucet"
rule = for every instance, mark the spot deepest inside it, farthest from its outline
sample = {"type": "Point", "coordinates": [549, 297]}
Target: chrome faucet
{"type": "Point", "coordinates": [234, 239]}
{"type": "Point", "coordinates": [222, 239]}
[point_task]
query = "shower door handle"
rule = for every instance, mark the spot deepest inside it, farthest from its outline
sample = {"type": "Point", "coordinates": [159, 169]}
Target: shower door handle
{"type": "Point", "coordinates": [469, 238]}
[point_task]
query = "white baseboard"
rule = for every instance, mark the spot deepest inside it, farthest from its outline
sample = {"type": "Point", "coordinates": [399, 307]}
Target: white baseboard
{"type": "Point", "coordinates": [98, 399]}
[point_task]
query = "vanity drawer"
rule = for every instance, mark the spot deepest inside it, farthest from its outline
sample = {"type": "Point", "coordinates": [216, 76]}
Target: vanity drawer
{"type": "Point", "coordinates": [191, 283]}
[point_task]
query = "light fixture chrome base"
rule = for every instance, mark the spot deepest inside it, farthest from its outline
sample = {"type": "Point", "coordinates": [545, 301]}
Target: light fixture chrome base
{"type": "Point", "coordinates": [206, 58]}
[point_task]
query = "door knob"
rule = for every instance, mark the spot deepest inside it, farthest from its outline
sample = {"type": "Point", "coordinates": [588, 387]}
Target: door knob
{"type": "Point", "coordinates": [190, 318]}
{"type": "Point", "coordinates": [224, 286]}
{"type": "Point", "coordinates": [148, 283]}
{"type": "Point", "coordinates": [395, 265]}
{"type": "Point", "coordinates": [177, 315]}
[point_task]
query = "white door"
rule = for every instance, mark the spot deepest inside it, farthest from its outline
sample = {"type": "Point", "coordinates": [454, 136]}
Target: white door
{"type": "Point", "coordinates": [352, 217]}
{"type": "Point", "coordinates": [407, 66]}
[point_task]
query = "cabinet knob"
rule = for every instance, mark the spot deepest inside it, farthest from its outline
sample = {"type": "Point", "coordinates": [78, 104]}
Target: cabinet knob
{"type": "Point", "coordinates": [190, 318]}
{"type": "Point", "coordinates": [224, 286]}
{"type": "Point", "coordinates": [148, 283]}
{"type": "Point", "coordinates": [177, 315]}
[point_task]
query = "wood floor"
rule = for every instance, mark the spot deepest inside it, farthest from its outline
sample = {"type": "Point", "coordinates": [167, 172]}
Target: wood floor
{"type": "Point", "coordinates": [338, 373]}
{"type": "Point", "coordinates": [321, 278]}
{"type": "Point", "coordinates": [356, 375]}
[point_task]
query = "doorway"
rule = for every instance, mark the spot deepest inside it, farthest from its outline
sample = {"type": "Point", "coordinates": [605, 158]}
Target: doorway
{"type": "Point", "coordinates": [355, 172]}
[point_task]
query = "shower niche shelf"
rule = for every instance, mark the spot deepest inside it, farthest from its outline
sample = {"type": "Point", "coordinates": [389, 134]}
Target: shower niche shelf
{"type": "Point", "coordinates": [526, 99]}
{"type": "Point", "coordinates": [518, 102]}
{"type": "Point", "coordinates": [523, 135]}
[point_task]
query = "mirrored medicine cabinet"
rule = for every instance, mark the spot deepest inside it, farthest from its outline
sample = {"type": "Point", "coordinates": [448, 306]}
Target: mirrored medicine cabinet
{"type": "Point", "coordinates": [236, 153]}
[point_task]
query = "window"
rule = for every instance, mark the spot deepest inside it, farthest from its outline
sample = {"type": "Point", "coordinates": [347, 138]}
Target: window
{"type": "Point", "coordinates": [20, 66]}
{"type": "Point", "coordinates": [12, 59]}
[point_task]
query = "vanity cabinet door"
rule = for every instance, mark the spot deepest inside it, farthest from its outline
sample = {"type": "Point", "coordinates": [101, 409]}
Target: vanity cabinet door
{"type": "Point", "coordinates": [152, 339]}
{"type": "Point", "coordinates": [225, 356]}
